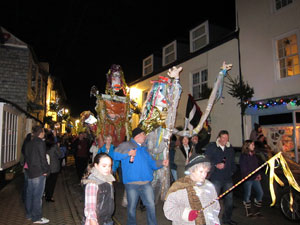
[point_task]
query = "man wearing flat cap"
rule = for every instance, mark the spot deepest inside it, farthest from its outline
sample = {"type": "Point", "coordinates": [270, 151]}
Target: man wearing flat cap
{"type": "Point", "coordinates": [137, 169]}
{"type": "Point", "coordinates": [192, 199]}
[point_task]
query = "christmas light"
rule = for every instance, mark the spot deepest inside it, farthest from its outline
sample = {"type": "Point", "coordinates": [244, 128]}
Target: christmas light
{"type": "Point", "coordinates": [294, 101]}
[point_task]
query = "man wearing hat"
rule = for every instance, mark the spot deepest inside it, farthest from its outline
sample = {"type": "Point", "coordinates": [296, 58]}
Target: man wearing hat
{"type": "Point", "coordinates": [192, 199]}
{"type": "Point", "coordinates": [137, 168]}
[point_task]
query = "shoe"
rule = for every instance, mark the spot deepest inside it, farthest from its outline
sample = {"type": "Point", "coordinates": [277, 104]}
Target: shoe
{"type": "Point", "coordinates": [50, 200]}
{"type": "Point", "coordinates": [43, 220]}
{"type": "Point", "coordinates": [231, 222]}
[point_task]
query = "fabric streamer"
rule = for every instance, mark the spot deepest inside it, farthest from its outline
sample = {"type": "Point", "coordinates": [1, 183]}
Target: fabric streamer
{"type": "Point", "coordinates": [278, 160]}
{"type": "Point", "coordinates": [215, 95]}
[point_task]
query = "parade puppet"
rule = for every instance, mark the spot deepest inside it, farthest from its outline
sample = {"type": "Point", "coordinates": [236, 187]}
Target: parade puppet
{"type": "Point", "coordinates": [159, 115]}
{"type": "Point", "coordinates": [157, 120]}
{"type": "Point", "coordinates": [113, 108]}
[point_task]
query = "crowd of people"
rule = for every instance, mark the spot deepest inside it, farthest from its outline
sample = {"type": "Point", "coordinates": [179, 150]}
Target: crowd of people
{"type": "Point", "coordinates": [198, 175]}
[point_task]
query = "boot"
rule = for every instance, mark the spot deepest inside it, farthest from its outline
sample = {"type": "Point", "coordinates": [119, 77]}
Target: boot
{"type": "Point", "coordinates": [248, 209]}
{"type": "Point", "coordinates": [257, 208]}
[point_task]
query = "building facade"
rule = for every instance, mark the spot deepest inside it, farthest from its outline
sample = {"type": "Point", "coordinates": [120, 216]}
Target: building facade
{"type": "Point", "coordinates": [23, 92]}
{"type": "Point", "coordinates": [264, 51]}
{"type": "Point", "coordinates": [208, 47]}
{"type": "Point", "coordinates": [269, 46]}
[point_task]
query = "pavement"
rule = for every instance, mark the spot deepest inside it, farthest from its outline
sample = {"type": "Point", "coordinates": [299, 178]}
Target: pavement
{"type": "Point", "coordinates": [69, 202]}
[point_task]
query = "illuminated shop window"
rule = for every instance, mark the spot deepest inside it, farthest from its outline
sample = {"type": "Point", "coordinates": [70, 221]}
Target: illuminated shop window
{"type": "Point", "coordinates": [288, 56]}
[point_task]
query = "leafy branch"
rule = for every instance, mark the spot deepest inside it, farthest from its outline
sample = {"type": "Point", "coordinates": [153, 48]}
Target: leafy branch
{"type": "Point", "coordinates": [240, 90]}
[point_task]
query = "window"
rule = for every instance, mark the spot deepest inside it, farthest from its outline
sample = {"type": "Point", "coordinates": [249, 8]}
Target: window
{"type": "Point", "coordinates": [9, 137]}
{"type": "Point", "coordinates": [288, 56]}
{"type": "Point", "coordinates": [281, 3]}
{"type": "Point", "coordinates": [199, 37]}
{"type": "Point", "coordinates": [200, 84]}
{"type": "Point", "coordinates": [169, 53]}
{"type": "Point", "coordinates": [148, 65]}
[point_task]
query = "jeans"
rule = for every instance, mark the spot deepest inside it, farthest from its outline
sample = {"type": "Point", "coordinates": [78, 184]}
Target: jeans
{"type": "Point", "coordinates": [174, 174]}
{"type": "Point", "coordinates": [34, 194]}
{"type": "Point", "coordinates": [145, 192]}
{"type": "Point", "coordinates": [109, 223]}
{"type": "Point", "coordinates": [255, 184]}
{"type": "Point", "coordinates": [228, 198]}
{"type": "Point", "coordinates": [25, 185]}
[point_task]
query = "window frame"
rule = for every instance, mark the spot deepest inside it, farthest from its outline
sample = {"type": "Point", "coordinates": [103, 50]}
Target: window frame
{"type": "Point", "coordinates": [200, 70]}
{"type": "Point", "coordinates": [276, 53]}
{"type": "Point", "coordinates": [174, 43]}
{"type": "Point", "coordinates": [282, 8]}
{"type": "Point", "coordinates": [206, 25]}
{"type": "Point", "coordinates": [9, 123]}
{"type": "Point", "coordinates": [150, 65]}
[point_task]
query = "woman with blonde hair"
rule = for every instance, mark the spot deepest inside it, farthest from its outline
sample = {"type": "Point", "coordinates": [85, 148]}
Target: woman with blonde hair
{"type": "Point", "coordinates": [109, 148]}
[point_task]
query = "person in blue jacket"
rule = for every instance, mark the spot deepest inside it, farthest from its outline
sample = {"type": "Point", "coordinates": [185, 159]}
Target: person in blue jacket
{"type": "Point", "coordinates": [137, 168]}
{"type": "Point", "coordinates": [109, 148]}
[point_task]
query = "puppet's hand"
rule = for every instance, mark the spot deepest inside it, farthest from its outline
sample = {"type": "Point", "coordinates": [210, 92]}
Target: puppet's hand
{"type": "Point", "coordinates": [226, 67]}
{"type": "Point", "coordinates": [174, 72]}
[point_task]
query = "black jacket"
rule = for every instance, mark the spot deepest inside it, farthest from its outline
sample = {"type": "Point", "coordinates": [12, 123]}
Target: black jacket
{"type": "Point", "coordinates": [217, 155]}
{"type": "Point", "coordinates": [35, 156]}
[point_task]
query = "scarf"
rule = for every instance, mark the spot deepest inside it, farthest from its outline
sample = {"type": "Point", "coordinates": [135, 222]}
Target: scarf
{"type": "Point", "coordinates": [194, 201]}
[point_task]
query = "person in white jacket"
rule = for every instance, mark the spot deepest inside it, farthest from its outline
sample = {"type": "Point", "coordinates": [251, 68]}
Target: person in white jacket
{"type": "Point", "coordinates": [94, 149]}
{"type": "Point", "coordinates": [193, 199]}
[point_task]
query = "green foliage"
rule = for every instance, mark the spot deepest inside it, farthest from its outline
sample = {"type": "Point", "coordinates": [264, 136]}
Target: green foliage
{"type": "Point", "coordinates": [241, 91]}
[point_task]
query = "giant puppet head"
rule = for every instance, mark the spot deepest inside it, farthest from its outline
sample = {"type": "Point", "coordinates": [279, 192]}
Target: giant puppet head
{"type": "Point", "coordinates": [115, 81]}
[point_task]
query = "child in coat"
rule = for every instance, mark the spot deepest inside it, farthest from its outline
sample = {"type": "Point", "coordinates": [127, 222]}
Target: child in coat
{"type": "Point", "coordinates": [99, 195]}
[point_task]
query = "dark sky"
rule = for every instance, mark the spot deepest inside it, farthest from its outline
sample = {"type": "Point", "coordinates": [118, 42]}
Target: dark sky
{"type": "Point", "coordinates": [81, 39]}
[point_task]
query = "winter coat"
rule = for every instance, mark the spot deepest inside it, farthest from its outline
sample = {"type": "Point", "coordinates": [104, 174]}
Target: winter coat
{"type": "Point", "coordinates": [180, 160]}
{"type": "Point", "coordinates": [216, 155]}
{"type": "Point", "coordinates": [55, 155]}
{"type": "Point", "coordinates": [35, 156]}
{"type": "Point", "coordinates": [143, 166]}
{"type": "Point", "coordinates": [177, 207]}
{"type": "Point", "coordinates": [105, 195]}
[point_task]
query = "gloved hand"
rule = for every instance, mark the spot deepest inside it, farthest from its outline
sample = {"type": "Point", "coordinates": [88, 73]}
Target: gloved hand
{"type": "Point", "coordinates": [193, 215]}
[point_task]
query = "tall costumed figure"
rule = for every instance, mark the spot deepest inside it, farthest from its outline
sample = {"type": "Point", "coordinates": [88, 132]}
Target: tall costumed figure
{"type": "Point", "coordinates": [113, 108]}
{"type": "Point", "coordinates": [157, 120]}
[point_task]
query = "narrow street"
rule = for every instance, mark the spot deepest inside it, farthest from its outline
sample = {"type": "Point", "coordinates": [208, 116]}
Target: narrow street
{"type": "Point", "coordinates": [68, 205]}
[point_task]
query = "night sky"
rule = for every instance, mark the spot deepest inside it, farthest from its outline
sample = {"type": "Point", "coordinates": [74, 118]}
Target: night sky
{"type": "Point", "coordinates": [81, 39]}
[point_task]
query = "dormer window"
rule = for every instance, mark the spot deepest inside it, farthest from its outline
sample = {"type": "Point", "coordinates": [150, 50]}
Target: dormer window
{"type": "Point", "coordinates": [199, 37]}
{"type": "Point", "coordinates": [169, 53]}
{"type": "Point", "coordinates": [148, 65]}
{"type": "Point", "coordinates": [279, 4]}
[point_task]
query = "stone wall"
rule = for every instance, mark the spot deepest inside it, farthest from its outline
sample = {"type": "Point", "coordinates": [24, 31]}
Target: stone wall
{"type": "Point", "coordinates": [14, 65]}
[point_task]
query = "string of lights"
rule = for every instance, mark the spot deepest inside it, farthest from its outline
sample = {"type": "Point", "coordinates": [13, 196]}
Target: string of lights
{"type": "Point", "coordinates": [265, 104]}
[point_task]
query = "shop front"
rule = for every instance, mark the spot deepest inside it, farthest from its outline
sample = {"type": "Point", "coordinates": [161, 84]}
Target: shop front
{"type": "Point", "coordinates": [280, 125]}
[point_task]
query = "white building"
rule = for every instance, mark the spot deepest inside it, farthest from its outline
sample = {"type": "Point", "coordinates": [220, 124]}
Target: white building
{"type": "Point", "coordinates": [201, 60]}
{"type": "Point", "coordinates": [268, 46]}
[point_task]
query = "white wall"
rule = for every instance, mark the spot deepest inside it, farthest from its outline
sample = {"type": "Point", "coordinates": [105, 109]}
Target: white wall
{"type": "Point", "coordinates": [223, 116]}
{"type": "Point", "coordinates": [259, 26]}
